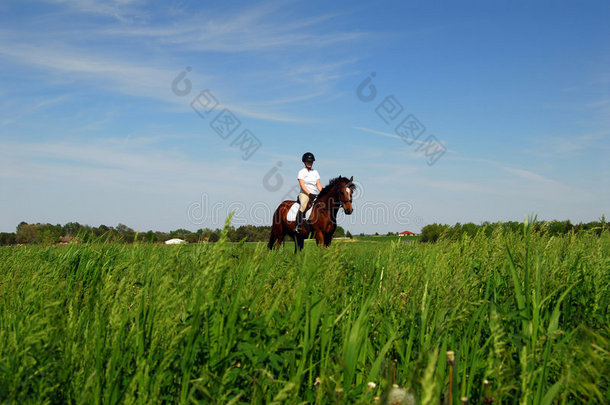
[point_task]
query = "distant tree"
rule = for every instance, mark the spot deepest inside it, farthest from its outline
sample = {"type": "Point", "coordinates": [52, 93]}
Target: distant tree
{"type": "Point", "coordinates": [192, 238]}
{"type": "Point", "coordinates": [127, 234]}
{"type": "Point", "coordinates": [469, 229]}
{"type": "Point", "coordinates": [240, 233]}
{"type": "Point", "coordinates": [100, 230]}
{"type": "Point", "coordinates": [21, 225]}
{"type": "Point", "coordinates": [232, 234]}
{"type": "Point", "coordinates": [50, 234]}
{"type": "Point", "coordinates": [512, 226]}
{"type": "Point", "coordinates": [161, 236]}
{"type": "Point", "coordinates": [180, 234]}
{"type": "Point", "coordinates": [431, 233]}
{"type": "Point", "coordinates": [71, 229]}
{"type": "Point", "coordinates": [206, 234]}
{"type": "Point", "coordinates": [214, 236]}
{"type": "Point", "coordinates": [555, 228]}
{"type": "Point", "coordinates": [149, 237]}
{"type": "Point", "coordinates": [339, 232]}
{"type": "Point", "coordinates": [250, 233]}
{"type": "Point", "coordinates": [8, 238]}
{"type": "Point", "coordinates": [27, 234]}
{"type": "Point", "coordinates": [489, 228]}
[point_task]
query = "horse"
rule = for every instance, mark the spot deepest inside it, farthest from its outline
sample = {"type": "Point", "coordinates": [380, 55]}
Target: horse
{"type": "Point", "coordinates": [322, 220]}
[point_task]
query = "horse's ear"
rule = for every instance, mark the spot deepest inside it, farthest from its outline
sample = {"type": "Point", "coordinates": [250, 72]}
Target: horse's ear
{"type": "Point", "coordinates": [351, 178]}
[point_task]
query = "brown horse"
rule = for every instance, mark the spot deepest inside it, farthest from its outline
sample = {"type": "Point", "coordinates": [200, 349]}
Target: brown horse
{"type": "Point", "coordinates": [323, 218]}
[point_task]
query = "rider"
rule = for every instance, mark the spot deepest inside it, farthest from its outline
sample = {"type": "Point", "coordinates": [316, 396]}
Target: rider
{"type": "Point", "coordinates": [309, 180]}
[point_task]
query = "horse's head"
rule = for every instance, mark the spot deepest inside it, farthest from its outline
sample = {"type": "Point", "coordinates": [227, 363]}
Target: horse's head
{"type": "Point", "coordinates": [340, 190]}
{"type": "Point", "coordinates": [346, 191]}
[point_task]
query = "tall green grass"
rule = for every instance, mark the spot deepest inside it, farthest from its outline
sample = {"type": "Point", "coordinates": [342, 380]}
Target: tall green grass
{"type": "Point", "coordinates": [234, 323]}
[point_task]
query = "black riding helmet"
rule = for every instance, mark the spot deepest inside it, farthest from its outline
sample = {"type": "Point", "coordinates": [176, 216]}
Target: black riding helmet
{"type": "Point", "coordinates": [308, 157]}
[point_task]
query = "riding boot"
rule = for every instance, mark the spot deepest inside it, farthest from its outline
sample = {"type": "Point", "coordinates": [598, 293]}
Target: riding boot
{"type": "Point", "coordinates": [297, 228]}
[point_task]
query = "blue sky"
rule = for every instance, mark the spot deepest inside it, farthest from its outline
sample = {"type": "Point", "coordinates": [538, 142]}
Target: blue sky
{"type": "Point", "coordinates": [517, 94]}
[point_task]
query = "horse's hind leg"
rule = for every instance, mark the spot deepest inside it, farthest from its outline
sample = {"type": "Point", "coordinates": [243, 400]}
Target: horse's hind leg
{"type": "Point", "coordinates": [272, 240]}
{"type": "Point", "coordinates": [276, 238]}
{"type": "Point", "coordinates": [279, 238]}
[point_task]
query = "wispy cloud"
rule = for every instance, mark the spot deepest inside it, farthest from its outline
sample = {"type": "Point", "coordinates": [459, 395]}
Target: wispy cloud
{"type": "Point", "coordinates": [534, 182]}
{"type": "Point", "coordinates": [32, 108]}
{"type": "Point", "coordinates": [122, 10]}
{"type": "Point", "coordinates": [262, 27]}
{"type": "Point", "coordinates": [118, 163]}
{"type": "Point", "coordinates": [79, 54]}
{"type": "Point", "coordinates": [390, 135]}
{"type": "Point", "coordinates": [528, 175]}
{"type": "Point", "coordinates": [569, 145]}
{"type": "Point", "coordinates": [264, 115]}
{"type": "Point", "coordinates": [124, 77]}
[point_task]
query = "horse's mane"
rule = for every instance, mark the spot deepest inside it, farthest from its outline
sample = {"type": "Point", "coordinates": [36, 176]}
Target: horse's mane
{"type": "Point", "coordinates": [333, 182]}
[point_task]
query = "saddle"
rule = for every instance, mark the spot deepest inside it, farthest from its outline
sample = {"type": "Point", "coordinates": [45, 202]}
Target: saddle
{"type": "Point", "coordinates": [310, 202]}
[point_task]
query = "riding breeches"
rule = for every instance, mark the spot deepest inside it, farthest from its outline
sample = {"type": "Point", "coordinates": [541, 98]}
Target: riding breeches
{"type": "Point", "coordinates": [303, 200]}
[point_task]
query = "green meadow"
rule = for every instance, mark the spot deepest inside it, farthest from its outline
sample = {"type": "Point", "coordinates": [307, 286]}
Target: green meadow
{"type": "Point", "coordinates": [526, 314]}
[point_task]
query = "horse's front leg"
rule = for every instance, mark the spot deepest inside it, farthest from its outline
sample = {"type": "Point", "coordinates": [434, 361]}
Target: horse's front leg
{"type": "Point", "coordinates": [327, 239]}
{"type": "Point", "coordinates": [319, 238]}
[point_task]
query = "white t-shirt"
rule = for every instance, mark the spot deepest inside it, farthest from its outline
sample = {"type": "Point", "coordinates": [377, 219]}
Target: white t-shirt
{"type": "Point", "coordinates": [311, 177]}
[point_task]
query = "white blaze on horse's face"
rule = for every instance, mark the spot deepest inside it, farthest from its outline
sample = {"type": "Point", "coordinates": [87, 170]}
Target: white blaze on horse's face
{"type": "Point", "coordinates": [347, 206]}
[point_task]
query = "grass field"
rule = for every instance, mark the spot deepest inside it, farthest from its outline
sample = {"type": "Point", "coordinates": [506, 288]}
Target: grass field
{"type": "Point", "coordinates": [236, 323]}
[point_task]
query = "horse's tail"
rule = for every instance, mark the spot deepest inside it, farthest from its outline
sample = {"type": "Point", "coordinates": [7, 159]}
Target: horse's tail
{"type": "Point", "coordinates": [276, 228]}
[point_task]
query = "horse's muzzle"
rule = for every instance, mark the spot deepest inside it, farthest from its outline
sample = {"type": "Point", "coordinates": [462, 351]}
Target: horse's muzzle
{"type": "Point", "coordinates": [348, 212]}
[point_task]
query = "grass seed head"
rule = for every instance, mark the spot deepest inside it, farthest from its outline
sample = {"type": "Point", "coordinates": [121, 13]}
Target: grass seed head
{"type": "Point", "coordinates": [451, 357]}
{"type": "Point", "coordinates": [399, 396]}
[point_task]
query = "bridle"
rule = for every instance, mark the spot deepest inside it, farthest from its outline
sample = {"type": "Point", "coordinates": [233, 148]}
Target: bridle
{"type": "Point", "coordinates": [341, 202]}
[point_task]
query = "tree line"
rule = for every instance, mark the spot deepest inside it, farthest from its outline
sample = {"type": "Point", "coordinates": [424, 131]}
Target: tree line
{"type": "Point", "coordinates": [434, 232]}
{"type": "Point", "coordinates": [52, 234]}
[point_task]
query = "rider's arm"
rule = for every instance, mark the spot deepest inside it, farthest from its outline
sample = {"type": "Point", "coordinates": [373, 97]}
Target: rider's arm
{"type": "Point", "coordinates": [319, 185]}
{"type": "Point", "coordinates": [303, 189]}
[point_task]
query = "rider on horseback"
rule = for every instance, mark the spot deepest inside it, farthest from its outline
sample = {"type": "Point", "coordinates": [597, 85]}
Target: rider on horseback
{"type": "Point", "coordinates": [309, 180]}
